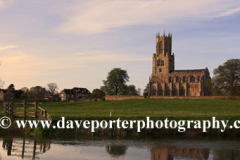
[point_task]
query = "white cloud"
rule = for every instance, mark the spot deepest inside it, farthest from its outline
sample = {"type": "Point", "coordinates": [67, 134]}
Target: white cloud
{"type": "Point", "coordinates": [7, 47]}
{"type": "Point", "coordinates": [98, 16]}
{"type": "Point", "coordinates": [21, 64]}
{"type": "Point", "coordinates": [229, 12]}
{"type": "Point", "coordinates": [4, 3]}
{"type": "Point", "coordinates": [105, 56]}
{"type": "Point", "coordinates": [27, 70]}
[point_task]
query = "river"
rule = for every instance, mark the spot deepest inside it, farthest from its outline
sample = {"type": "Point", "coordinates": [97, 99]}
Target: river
{"type": "Point", "coordinates": [122, 148]}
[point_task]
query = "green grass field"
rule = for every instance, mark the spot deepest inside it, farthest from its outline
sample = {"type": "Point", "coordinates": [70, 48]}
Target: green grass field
{"type": "Point", "coordinates": [154, 108]}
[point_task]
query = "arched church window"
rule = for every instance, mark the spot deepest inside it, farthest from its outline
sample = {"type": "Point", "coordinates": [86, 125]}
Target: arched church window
{"type": "Point", "coordinates": [158, 62]}
{"type": "Point", "coordinates": [153, 91]}
{"type": "Point", "coordinates": [202, 79]}
{"type": "Point", "coordinates": [184, 79]}
{"type": "Point", "coordinates": [170, 79]}
{"type": "Point", "coordinates": [178, 79]}
{"type": "Point", "coordinates": [182, 91]}
{"type": "Point", "coordinates": [162, 63]}
{"type": "Point", "coordinates": [167, 91]}
{"type": "Point", "coordinates": [160, 43]}
{"type": "Point", "coordinates": [192, 79]}
{"type": "Point", "coordinates": [166, 43]}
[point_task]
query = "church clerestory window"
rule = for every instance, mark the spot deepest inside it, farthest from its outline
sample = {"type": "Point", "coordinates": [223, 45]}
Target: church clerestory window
{"type": "Point", "coordinates": [192, 79]}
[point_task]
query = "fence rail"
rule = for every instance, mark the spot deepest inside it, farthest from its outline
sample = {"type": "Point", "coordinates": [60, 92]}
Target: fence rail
{"type": "Point", "coordinates": [25, 111]}
{"type": "Point", "coordinates": [45, 115]}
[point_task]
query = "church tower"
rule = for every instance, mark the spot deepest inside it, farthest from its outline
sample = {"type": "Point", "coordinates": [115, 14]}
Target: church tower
{"type": "Point", "coordinates": [166, 81]}
{"type": "Point", "coordinates": [163, 59]}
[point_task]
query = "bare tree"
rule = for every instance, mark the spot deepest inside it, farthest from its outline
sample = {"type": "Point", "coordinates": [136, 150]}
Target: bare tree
{"type": "Point", "coordinates": [1, 82]}
{"type": "Point", "coordinates": [25, 89]}
{"type": "Point", "coordinates": [52, 87]}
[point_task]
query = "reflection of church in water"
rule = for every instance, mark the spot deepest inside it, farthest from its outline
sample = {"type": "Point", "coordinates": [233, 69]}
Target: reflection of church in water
{"type": "Point", "coordinates": [25, 148]}
{"type": "Point", "coordinates": [171, 153]}
{"type": "Point", "coordinates": [31, 149]}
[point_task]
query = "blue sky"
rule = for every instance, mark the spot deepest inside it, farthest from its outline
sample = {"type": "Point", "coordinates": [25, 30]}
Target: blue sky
{"type": "Point", "coordinates": [76, 43]}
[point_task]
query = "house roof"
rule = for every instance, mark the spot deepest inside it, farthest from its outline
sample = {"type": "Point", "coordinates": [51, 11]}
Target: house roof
{"type": "Point", "coordinates": [81, 90]}
{"type": "Point", "coordinates": [4, 91]}
{"type": "Point", "coordinates": [77, 90]}
{"type": "Point", "coordinates": [67, 91]}
{"type": "Point", "coordinates": [188, 71]}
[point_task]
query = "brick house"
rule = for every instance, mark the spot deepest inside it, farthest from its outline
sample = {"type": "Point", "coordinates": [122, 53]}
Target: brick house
{"type": "Point", "coordinates": [2, 94]}
{"type": "Point", "coordinates": [74, 94]}
{"type": "Point", "coordinates": [45, 95]}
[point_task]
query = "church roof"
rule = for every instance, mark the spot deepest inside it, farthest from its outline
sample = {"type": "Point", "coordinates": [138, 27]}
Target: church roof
{"type": "Point", "coordinates": [188, 71]}
{"type": "Point", "coordinates": [81, 90]}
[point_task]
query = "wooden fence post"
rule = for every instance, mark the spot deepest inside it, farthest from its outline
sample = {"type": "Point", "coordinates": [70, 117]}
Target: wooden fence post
{"type": "Point", "coordinates": [24, 110]}
{"type": "Point", "coordinates": [45, 115]}
{"type": "Point", "coordinates": [8, 107]}
{"type": "Point", "coordinates": [9, 147]}
{"type": "Point", "coordinates": [42, 114]}
{"type": "Point", "coordinates": [35, 106]}
{"type": "Point", "coordinates": [23, 148]}
{"type": "Point", "coordinates": [44, 147]}
{"type": "Point", "coordinates": [5, 107]}
{"type": "Point", "coordinates": [11, 110]}
{"type": "Point", "coordinates": [34, 150]}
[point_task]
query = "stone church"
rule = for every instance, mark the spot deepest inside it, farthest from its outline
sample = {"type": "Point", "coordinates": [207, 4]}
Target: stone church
{"type": "Point", "coordinates": [166, 81]}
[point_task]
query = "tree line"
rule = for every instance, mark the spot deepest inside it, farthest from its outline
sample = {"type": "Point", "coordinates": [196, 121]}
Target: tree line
{"type": "Point", "coordinates": [225, 81]}
{"type": "Point", "coordinates": [34, 93]}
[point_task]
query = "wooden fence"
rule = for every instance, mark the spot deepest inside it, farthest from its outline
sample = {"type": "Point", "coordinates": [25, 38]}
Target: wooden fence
{"type": "Point", "coordinates": [25, 148]}
{"type": "Point", "coordinates": [14, 110]}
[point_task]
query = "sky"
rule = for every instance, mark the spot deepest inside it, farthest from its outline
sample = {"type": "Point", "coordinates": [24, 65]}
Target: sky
{"type": "Point", "coordinates": [75, 43]}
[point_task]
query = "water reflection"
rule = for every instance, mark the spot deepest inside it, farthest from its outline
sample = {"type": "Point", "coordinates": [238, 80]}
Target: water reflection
{"type": "Point", "coordinates": [116, 151]}
{"type": "Point", "coordinates": [25, 148]}
{"type": "Point", "coordinates": [109, 149]}
{"type": "Point", "coordinates": [171, 153]}
{"type": "Point", "coordinates": [226, 154]}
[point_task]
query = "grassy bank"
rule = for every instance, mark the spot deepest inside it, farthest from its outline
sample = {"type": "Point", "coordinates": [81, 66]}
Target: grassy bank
{"type": "Point", "coordinates": [135, 109]}
{"type": "Point", "coordinates": [140, 108]}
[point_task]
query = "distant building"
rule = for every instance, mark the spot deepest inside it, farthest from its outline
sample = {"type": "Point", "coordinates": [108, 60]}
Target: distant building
{"type": "Point", "coordinates": [46, 95]}
{"type": "Point", "coordinates": [166, 81]}
{"type": "Point", "coordinates": [74, 94]}
{"type": "Point", "coordinates": [2, 94]}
